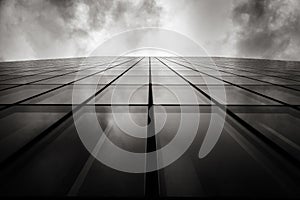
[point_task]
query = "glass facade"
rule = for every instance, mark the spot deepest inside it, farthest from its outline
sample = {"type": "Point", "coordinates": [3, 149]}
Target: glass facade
{"type": "Point", "coordinates": [257, 154]}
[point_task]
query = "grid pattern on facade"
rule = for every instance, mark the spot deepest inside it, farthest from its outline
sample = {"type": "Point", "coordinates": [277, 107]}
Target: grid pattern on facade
{"type": "Point", "coordinates": [257, 153]}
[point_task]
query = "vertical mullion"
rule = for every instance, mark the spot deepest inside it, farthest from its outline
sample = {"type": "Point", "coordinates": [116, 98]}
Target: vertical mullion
{"type": "Point", "coordinates": [152, 179]}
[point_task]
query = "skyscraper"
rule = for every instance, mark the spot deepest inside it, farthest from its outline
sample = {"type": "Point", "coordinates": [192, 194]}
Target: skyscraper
{"type": "Point", "coordinates": [47, 107]}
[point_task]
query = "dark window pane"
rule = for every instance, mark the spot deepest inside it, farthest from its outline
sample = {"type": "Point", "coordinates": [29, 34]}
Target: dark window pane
{"type": "Point", "coordinates": [286, 95]}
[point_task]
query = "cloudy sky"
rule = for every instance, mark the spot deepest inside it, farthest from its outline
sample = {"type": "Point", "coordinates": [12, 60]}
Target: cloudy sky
{"type": "Point", "coordinates": [38, 29]}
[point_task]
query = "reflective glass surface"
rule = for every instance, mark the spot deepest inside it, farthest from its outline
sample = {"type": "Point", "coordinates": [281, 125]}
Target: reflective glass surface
{"type": "Point", "coordinates": [256, 153]}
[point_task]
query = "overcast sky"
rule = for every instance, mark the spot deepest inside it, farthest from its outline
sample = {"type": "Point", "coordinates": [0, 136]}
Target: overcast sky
{"type": "Point", "coordinates": [36, 29]}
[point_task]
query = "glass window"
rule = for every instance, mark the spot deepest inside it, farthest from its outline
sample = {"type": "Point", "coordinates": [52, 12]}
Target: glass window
{"type": "Point", "coordinates": [61, 79]}
{"type": "Point", "coordinates": [241, 73]}
{"type": "Point", "coordinates": [21, 125]}
{"type": "Point", "coordinates": [7, 77]}
{"type": "Point", "coordinates": [177, 95]}
{"type": "Point", "coordinates": [114, 72]}
{"type": "Point", "coordinates": [112, 182]}
{"type": "Point", "coordinates": [280, 81]}
{"type": "Point", "coordinates": [96, 79]}
{"type": "Point", "coordinates": [244, 81]}
{"type": "Point", "coordinates": [283, 94]}
{"type": "Point", "coordinates": [204, 80]}
{"type": "Point", "coordinates": [188, 73]}
{"type": "Point", "coordinates": [212, 72]}
{"type": "Point", "coordinates": [236, 96]}
{"type": "Point", "coordinates": [63, 165]}
{"type": "Point", "coordinates": [24, 80]}
{"type": "Point", "coordinates": [30, 72]}
{"type": "Point", "coordinates": [76, 94]}
{"type": "Point", "coordinates": [137, 72]}
{"type": "Point", "coordinates": [141, 80]}
{"type": "Point", "coordinates": [119, 94]}
{"type": "Point", "coordinates": [14, 95]}
{"type": "Point", "coordinates": [3, 87]}
{"type": "Point", "coordinates": [279, 125]}
{"type": "Point", "coordinates": [87, 72]}
{"type": "Point", "coordinates": [297, 87]}
{"type": "Point", "coordinates": [228, 170]}
{"type": "Point", "coordinates": [165, 80]}
{"type": "Point", "coordinates": [164, 72]}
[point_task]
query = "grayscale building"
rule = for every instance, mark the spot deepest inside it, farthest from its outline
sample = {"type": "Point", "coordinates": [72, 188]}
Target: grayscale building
{"type": "Point", "coordinates": [255, 155]}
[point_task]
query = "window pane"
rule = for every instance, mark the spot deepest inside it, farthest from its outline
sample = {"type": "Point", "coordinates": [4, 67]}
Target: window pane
{"type": "Point", "coordinates": [245, 81]}
{"type": "Point", "coordinates": [67, 95]}
{"type": "Point", "coordinates": [20, 126]}
{"type": "Point", "coordinates": [141, 80]}
{"type": "Point", "coordinates": [235, 95]}
{"type": "Point", "coordinates": [123, 95]}
{"type": "Point", "coordinates": [177, 95]}
{"type": "Point", "coordinates": [279, 126]}
{"type": "Point", "coordinates": [61, 79]}
{"type": "Point", "coordinates": [165, 80]}
{"type": "Point", "coordinates": [280, 81]}
{"type": "Point", "coordinates": [204, 80]}
{"type": "Point", "coordinates": [24, 80]}
{"type": "Point", "coordinates": [138, 72]}
{"type": "Point", "coordinates": [164, 72]}
{"type": "Point", "coordinates": [229, 162]}
{"type": "Point", "coordinates": [17, 94]}
{"type": "Point", "coordinates": [286, 95]}
{"type": "Point", "coordinates": [97, 79]}
{"type": "Point", "coordinates": [56, 166]}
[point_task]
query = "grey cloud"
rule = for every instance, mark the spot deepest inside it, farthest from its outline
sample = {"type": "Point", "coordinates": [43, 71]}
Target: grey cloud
{"type": "Point", "coordinates": [64, 28]}
{"type": "Point", "coordinates": [141, 14]}
{"type": "Point", "coordinates": [267, 28]}
{"type": "Point", "coordinates": [97, 11]}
